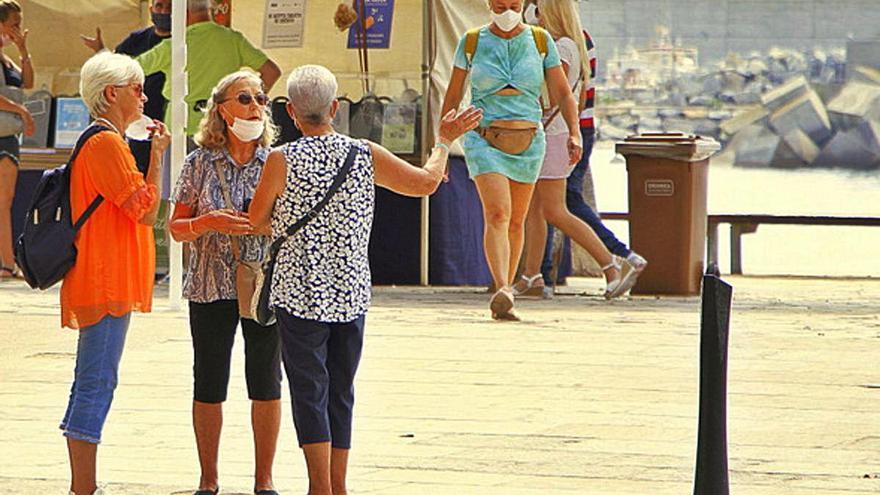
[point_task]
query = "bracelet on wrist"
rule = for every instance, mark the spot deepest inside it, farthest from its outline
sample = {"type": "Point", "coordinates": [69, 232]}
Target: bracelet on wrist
{"type": "Point", "coordinates": [442, 146]}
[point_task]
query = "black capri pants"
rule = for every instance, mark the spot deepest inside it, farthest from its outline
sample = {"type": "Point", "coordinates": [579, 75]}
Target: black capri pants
{"type": "Point", "coordinates": [213, 332]}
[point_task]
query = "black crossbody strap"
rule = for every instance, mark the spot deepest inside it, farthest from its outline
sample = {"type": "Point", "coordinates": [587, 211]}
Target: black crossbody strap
{"type": "Point", "coordinates": [334, 187]}
{"type": "Point", "coordinates": [86, 135]}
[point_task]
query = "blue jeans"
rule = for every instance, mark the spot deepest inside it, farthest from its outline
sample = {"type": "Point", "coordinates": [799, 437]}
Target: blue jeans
{"type": "Point", "coordinates": [97, 364]}
{"type": "Point", "coordinates": [574, 201]}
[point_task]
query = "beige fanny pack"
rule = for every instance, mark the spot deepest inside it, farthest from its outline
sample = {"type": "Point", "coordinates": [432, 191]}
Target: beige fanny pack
{"type": "Point", "coordinates": [510, 136]}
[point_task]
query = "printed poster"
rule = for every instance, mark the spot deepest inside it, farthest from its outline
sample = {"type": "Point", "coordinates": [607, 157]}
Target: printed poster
{"type": "Point", "coordinates": [71, 118]}
{"type": "Point", "coordinates": [378, 21]}
{"type": "Point", "coordinates": [284, 23]}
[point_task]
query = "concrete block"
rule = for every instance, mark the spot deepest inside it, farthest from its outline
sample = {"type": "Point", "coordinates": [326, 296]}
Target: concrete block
{"type": "Point", "coordinates": [853, 104]}
{"type": "Point", "coordinates": [782, 95]}
{"type": "Point", "coordinates": [847, 149]}
{"type": "Point", "coordinates": [745, 118]}
{"type": "Point", "coordinates": [801, 146]}
{"type": "Point", "coordinates": [754, 146]}
{"type": "Point", "coordinates": [807, 113]}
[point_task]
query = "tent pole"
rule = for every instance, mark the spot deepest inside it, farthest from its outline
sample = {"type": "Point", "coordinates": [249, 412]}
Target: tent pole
{"type": "Point", "coordinates": [424, 255]}
{"type": "Point", "coordinates": [178, 139]}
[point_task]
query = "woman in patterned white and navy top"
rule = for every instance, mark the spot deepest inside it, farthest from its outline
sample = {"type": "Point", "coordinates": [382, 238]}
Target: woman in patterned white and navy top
{"type": "Point", "coordinates": [321, 283]}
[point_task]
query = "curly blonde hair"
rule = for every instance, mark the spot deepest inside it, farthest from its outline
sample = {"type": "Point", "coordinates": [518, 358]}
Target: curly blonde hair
{"type": "Point", "coordinates": [213, 130]}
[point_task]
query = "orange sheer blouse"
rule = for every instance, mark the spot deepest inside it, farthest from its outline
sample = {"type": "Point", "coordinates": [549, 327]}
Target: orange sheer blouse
{"type": "Point", "coordinates": [116, 259]}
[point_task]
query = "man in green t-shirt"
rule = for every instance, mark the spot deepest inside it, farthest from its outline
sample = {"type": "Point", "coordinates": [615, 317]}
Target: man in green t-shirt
{"type": "Point", "coordinates": [213, 51]}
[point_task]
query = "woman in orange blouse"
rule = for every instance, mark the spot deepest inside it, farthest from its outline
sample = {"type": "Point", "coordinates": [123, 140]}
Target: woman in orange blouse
{"type": "Point", "coordinates": [113, 275]}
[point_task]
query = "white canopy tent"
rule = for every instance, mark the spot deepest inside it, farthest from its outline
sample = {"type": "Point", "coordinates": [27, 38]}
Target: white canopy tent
{"type": "Point", "coordinates": [424, 36]}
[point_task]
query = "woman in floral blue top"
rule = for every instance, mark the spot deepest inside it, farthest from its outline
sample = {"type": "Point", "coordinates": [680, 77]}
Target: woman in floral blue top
{"type": "Point", "coordinates": [233, 141]}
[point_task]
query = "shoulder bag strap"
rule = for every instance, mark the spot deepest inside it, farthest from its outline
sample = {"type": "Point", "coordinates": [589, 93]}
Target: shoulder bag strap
{"type": "Point", "coordinates": [224, 187]}
{"type": "Point", "coordinates": [558, 108]}
{"type": "Point", "coordinates": [85, 136]}
{"type": "Point", "coordinates": [334, 187]}
{"type": "Point", "coordinates": [470, 43]}
{"type": "Point", "coordinates": [540, 40]}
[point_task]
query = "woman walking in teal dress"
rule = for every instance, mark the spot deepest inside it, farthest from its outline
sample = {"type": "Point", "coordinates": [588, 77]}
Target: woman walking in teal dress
{"type": "Point", "coordinates": [508, 62]}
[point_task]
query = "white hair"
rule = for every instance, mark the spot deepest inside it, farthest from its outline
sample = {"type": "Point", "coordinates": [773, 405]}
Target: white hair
{"type": "Point", "coordinates": [312, 90]}
{"type": "Point", "coordinates": [198, 5]}
{"type": "Point", "coordinates": [106, 69]}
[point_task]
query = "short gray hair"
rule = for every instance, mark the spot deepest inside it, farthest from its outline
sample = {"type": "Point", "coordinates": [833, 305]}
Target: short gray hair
{"type": "Point", "coordinates": [198, 5]}
{"type": "Point", "coordinates": [106, 69]}
{"type": "Point", "coordinates": [312, 90]}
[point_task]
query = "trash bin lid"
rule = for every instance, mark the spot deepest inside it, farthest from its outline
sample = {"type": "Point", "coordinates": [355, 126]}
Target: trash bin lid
{"type": "Point", "coordinates": [675, 146]}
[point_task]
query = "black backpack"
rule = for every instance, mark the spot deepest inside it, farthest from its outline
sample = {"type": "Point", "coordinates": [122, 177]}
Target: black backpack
{"type": "Point", "coordinates": [45, 250]}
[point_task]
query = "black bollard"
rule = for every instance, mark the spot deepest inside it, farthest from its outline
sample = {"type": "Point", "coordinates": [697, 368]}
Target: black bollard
{"type": "Point", "coordinates": [711, 472]}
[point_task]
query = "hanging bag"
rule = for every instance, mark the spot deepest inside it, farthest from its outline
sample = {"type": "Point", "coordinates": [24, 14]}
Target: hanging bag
{"type": "Point", "coordinates": [10, 122]}
{"type": "Point", "coordinates": [248, 274]}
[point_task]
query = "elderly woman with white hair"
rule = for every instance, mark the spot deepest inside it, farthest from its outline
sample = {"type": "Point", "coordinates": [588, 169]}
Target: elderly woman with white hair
{"type": "Point", "coordinates": [318, 193]}
{"type": "Point", "coordinates": [210, 214]}
{"type": "Point", "coordinates": [113, 274]}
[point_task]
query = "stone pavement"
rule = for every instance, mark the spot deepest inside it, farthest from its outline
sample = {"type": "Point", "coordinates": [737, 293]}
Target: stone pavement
{"type": "Point", "coordinates": [584, 397]}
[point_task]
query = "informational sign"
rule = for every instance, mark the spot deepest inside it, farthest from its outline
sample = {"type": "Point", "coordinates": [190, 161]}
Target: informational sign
{"type": "Point", "coordinates": [659, 187]}
{"type": "Point", "coordinates": [284, 23]}
{"type": "Point", "coordinates": [71, 118]}
{"type": "Point", "coordinates": [378, 17]}
{"type": "Point", "coordinates": [399, 128]}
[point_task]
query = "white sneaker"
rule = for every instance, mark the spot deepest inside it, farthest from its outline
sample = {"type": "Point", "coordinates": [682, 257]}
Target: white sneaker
{"type": "Point", "coordinates": [638, 263]}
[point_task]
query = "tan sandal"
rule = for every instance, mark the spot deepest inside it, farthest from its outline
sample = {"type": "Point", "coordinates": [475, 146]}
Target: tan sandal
{"type": "Point", "coordinates": [626, 278]}
{"type": "Point", "coordinates": [529, 286]}
{"type": "Point", "coordinates": [501, 306]}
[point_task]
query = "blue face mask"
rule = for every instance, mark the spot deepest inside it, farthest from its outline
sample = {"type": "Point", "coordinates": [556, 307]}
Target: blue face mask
{"type": "Point", "coordinates": [161, 21]}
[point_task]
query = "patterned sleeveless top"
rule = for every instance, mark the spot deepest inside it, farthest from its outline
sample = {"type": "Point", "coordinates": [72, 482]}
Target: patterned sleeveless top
{"type": "Point", "coordinates": [322, 272]}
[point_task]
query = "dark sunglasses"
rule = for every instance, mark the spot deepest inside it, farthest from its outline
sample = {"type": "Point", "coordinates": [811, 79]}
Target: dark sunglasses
{"type": "Point", "coordinates": [246, 98]}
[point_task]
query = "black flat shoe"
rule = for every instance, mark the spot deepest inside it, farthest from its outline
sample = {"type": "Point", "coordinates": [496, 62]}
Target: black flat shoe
{"type": "Point", "coordinates": [207, 492]}
{"type": "Point", "coordinates": [266, 492]}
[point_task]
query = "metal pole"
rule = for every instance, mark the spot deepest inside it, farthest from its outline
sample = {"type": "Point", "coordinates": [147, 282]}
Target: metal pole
{"type": "Point", "coordinates": [424, 255]}
{"type": "Point", "coordinates": [711, 469]}
{"type": "Point", "coordinates": [178, 138]}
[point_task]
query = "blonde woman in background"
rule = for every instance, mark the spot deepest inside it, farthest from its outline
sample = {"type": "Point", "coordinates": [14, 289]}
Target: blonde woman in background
{"type": "Point", "coordinates": [561, 19]}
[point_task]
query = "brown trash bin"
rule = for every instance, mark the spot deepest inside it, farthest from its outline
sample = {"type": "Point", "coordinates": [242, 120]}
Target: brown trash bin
{"type": "Point", "coordinates": [668, 179]}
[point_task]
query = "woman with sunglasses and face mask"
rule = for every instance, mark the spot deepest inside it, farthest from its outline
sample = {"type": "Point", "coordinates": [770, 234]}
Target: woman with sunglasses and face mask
{"type": "Point", "coordinates": [507, 68]}
{"type": "Point", "coordinates": [233, 140]}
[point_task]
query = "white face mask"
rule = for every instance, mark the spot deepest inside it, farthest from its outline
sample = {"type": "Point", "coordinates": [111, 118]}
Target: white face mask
{"type": "Point", "coordinates": [507, 20]}
{"type": "Point", "coordinates": [530, 15]}
{"type": "Point", "coordinates": [247, 130]}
